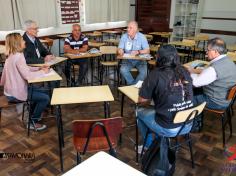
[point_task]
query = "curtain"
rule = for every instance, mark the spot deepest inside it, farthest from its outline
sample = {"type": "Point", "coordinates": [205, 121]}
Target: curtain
{"type": "Point", "coordinates": [44, 12]}
{"type": "Point", "coordinates": [13, 13]}
{"type": "Point", "coordinates": [6, 15]}
{"type": "Point", "coordinates": [119, 10]}
{"type": "Point", "coordinates": [96, 11]}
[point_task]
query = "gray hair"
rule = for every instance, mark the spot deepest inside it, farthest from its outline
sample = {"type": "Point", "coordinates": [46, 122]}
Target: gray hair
{"type": "Point", "coordinates": [217, 44]}
{"type": "Point", "coordinates": [28, 24]}
{"type": "Point", "coordinates": [134, 23]}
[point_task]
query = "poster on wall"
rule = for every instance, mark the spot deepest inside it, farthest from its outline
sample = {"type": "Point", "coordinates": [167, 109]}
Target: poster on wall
{"type": "Point", "coordinates": [70, 11]}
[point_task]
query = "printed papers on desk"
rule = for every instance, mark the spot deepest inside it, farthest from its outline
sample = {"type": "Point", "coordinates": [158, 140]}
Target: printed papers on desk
{"type": "Point", "coordinates": [145, 56]}
{"type": "Point", "coordinates": [50, 73]}
{"type": "Point", "coordinates": [93, 51]}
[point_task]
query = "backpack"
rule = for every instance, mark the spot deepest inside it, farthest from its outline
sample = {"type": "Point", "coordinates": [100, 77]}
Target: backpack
{"type": "Point", "coordinates": [159, 159]}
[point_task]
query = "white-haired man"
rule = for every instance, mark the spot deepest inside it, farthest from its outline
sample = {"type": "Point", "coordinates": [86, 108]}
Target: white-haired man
{"type": "Point", "coordinates": [134, 43]}
{"type": "Point", "coordinates": [35, 52]}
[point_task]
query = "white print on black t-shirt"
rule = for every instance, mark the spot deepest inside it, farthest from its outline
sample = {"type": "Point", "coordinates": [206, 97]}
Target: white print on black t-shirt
{"type": "Point", "coordinates": [181, 106]}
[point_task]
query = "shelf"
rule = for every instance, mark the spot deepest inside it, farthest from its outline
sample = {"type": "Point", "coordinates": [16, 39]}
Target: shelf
{"type": "Point", "coordinates": [187, 15]}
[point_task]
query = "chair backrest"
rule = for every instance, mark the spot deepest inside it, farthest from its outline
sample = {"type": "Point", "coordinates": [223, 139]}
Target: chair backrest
{"type": "Point", "coordinates": [49, 42]}
{"type": "Point", "coordinates": [192, 42]}
{"type": "Point", "coordinates": [203, 36]}
{"type": "Point", "coordinates": [97, 32]}
{"type": "Point", "coordinates": [109, 128]}
{"type": "Point", "coordinates": [232, 93]}
{"type": "Point", "coordinates": [108, 49]}
{"type": "Point", "coordinates": [189, 114]}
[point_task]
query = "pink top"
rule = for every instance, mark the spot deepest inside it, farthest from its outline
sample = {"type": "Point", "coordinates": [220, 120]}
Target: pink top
{"type": "Point", "coordinates": [15, 75]}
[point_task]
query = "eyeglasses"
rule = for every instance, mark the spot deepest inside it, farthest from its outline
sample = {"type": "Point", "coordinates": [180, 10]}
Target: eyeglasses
{"type": "Point", "coordinates": [209, 50]}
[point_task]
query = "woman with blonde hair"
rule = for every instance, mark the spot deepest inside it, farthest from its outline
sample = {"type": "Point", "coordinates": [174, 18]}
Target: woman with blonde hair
{"type": "Point", "coordinates": [15, 75]}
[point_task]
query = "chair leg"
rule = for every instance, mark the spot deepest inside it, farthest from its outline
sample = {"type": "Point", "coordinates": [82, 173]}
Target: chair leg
{"type": "Point", "coordinates": [230, 121]}
{"type": "Point", "coordinates": [144, 143]}
{"type": "Point", "coordinates": [190, 149]}
{"type": "Point", "coordinates": [23, 114]}
{"type": "Point", "coordinates": [223, 129]}
{"type": "Point", "coordinates": [120, 139]}
{"type": "Point", "coordinates": [78, 158]}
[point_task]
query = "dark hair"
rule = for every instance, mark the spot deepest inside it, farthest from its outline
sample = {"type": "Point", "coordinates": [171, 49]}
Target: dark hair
{"type": "Point", "coordinates": [217, 44]}
{"type": "Point", "coordinates": [168, 59]}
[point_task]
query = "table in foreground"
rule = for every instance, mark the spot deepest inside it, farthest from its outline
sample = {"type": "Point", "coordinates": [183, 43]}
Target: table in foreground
{"type": "Point", "coordinates": [103, 164]}
{"type": "Point", "coordinates": [76, 95]}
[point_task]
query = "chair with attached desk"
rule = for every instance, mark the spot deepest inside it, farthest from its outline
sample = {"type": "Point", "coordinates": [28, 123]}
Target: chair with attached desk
{"type": "Point", "coordinates": [48, 43]}
{"type": "Point", "coordinates": [225, 114]}
{"type": "Point", "coordinates": [188, 52]}
{"type": "Point", "coordinates": [109, 56]}
{"type": "Point", "coordinates": [96, 135]}
{"type": "Point", "coordinates": [201, 40]}
{"type": "Point", "coordinates": [184, 117]}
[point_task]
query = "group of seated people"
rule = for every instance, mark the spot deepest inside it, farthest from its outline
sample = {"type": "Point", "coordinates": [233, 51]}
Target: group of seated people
{"type": "Point", "coordinates": [168, 85]}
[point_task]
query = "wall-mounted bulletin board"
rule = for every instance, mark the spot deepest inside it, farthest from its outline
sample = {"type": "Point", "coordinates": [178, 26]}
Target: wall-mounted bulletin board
{"type": "Point", "coordinates": [70, 11]}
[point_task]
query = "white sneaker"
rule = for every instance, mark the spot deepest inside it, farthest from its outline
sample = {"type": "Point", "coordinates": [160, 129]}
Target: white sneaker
{"type": "Point", "coordinates": [37, 127]}
{"type": "Point", "coordinates": [140, 148]}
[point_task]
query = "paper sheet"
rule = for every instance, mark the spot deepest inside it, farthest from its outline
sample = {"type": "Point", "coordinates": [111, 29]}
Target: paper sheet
{"type": "Point", "coordinates": [138, 84]}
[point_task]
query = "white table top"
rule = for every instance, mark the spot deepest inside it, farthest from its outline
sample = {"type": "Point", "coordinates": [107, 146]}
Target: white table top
{"type": "Point", "coordinates": [89, 94]}
{"type": "Point", "coordinates": [82, 55]}
{"type": "Point", "coordinates": [133, 57]}
{"type": "Point", "coordinates": [55, 61]}
{"type": "Point", "coordinates": [103, 164]}
{"type": "Point", "coordinates": [131, 92]}
{"type": "Point", "coordinates": [197, 61]}
{"type": "Point", "coordinates": [53, 76]}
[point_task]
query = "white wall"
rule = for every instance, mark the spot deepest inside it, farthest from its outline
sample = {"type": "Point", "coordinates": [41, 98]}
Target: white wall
{"type": "Point", "coordinates": [217, 9]}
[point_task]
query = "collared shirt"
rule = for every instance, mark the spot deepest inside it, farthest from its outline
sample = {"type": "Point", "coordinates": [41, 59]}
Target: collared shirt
{"type": "Point", "coordinates": [32, 39]}
{"type": "Point", "coordinates": [138, 43]}
{"type": "Point", "coordinates": [207, 76]}
{"type": "Point", "coordinates": [76, 44]}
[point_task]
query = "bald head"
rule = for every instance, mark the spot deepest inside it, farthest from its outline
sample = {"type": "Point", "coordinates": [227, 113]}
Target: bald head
{"type": "Point", "coordinates": [132, 28]}
{"type": "Point", "coordinates": [76, 30]}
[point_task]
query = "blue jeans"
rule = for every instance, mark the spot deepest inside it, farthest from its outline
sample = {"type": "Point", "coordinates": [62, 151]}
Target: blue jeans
{"type": "Point", "coordinates": [146, 120]}
{"type": "Point", "coordinates": [127, 65]}
{"type": "Point", "coordinates": [198, 99]}
{"type": "Point", "coordinates": [40, 100]}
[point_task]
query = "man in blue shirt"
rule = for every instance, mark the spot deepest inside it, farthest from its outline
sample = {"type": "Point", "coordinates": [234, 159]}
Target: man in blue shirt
{"type": "Point", "coordinates": [134, 43]}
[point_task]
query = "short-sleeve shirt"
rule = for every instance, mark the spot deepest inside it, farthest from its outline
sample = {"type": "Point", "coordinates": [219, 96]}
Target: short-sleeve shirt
{"type": "Point", "coordinates": [168, 96]}
{"type": "Point", "coordinates": [138, 43]}
{"type": "Point", "coordinates": [76, 44]}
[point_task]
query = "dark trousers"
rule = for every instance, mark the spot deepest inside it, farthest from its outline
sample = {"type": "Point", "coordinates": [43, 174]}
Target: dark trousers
{"type": "Point", "coordinates": [83, 68]}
